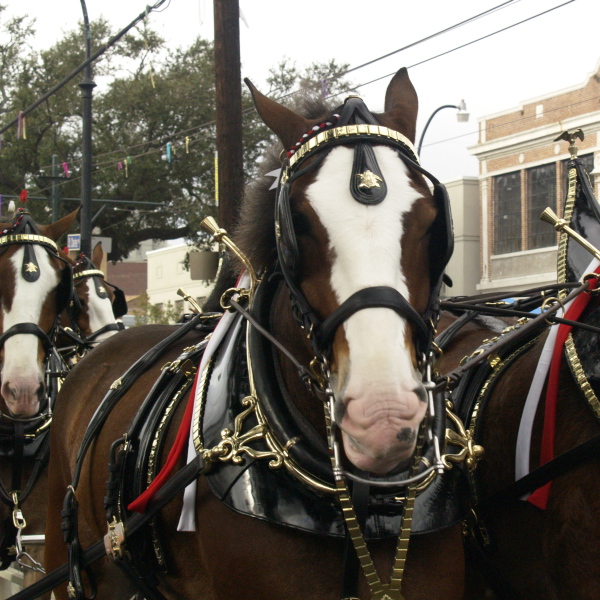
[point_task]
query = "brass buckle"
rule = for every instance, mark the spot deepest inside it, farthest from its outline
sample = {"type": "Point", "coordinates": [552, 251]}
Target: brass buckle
{"type": "Point", "coordinates": [115, 539]}
{"type": "Point", "coordinates": [552, 300]}
{"type": "Point", "coordinates": [17, 515]}
{"type": "Point", "coordinates": [243, 294]}
{"type": "Point", "coordinates": [317, 369]}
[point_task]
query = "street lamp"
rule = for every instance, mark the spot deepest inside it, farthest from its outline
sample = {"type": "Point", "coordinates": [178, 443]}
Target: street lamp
{"type": "Point", "coordinates": [462, 116]}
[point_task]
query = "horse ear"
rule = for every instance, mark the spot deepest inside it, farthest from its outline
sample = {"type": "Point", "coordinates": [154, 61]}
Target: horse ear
{"type": "Point", "coordinates": [283, 122]}
{"type": "Point", "coordinates": [97, 255]}
{"type": "Point", "coordinates": [402, 105]}
{"type": "Point", "coordinates": [57, 229]}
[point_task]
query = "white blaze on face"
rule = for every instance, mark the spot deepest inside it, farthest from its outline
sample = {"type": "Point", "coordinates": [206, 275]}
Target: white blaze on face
{"type": "Point", "coordinates": [100, 312]}
{"type": "Point", "coordinates": [378, 386]}
{"type": "Point", "coordinates": [22, 374]}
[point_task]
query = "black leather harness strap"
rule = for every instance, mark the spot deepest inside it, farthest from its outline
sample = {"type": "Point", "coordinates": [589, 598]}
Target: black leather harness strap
{"type": "Point", "coordinates": [163, 496]}
{"type": "Point", "coordinates": [117, 391]}
{"type": "Point", "coordinates": [372, 297]}
{"type": "Point", "coordinates": [561, 464]}
{"type": "Point", "coordinates": [125, 382]}
{"type": "Point", "coordinates": [29, 328]}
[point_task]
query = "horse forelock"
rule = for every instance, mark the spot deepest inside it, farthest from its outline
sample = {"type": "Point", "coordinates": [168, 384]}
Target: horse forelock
{"type": "Point", "coordinates": [255, 233]}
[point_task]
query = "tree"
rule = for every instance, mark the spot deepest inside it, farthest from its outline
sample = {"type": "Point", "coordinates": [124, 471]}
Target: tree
{"type": "Point", "coordinates": [153, 130]}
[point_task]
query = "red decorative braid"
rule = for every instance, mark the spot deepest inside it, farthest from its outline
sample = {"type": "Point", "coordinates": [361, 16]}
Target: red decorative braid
{"type": "Point", "coordinates": [312, 132]}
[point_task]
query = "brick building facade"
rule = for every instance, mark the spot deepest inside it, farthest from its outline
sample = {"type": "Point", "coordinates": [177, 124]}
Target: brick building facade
{"type": "Point", "coordinates": [521, 171]}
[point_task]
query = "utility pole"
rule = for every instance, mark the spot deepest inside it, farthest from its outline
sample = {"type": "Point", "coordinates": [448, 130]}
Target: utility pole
{"type": "Point", "coordinates": [54, 179]}
{"type": "Point", "coordinates": [87, 86]}
{"type": "Point", "coordinates": [228, 92]}
{"type": "Point", "coordinates": [54, 188]}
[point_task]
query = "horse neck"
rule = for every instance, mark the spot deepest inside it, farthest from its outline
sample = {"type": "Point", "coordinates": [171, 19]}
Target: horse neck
{"type": "Point", "coordinates": [285, 328]}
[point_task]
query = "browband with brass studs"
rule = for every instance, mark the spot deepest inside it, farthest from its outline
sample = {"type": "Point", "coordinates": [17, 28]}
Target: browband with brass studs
{"type": "Point", "coordinates": [27, 238]}
{"type": "Point", "coordinates": [361, 130]}
{"type": "Point", "coordinates": [88, 273]}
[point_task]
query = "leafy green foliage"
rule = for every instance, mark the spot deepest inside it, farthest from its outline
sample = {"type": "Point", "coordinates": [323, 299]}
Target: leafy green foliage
{"type": "Point", "coordinates": [147, 96]}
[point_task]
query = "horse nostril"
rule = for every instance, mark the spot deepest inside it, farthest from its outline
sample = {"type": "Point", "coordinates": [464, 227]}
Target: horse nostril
{"type": "Point", "coordinates": [407, 434]}
{"type": "Point", "coordinates": [421, 393]}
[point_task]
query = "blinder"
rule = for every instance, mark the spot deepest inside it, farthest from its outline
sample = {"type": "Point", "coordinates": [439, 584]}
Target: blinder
{"type": "Point", "coordinates": [64, 291]}
{"type": "Point", "coordinates": [357, 126]}
{"type": "Point", "coordinates": [119, 303]}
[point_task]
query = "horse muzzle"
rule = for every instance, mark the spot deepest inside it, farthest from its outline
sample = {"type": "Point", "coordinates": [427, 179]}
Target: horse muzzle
{"type": "Point", "coordinates": [23, 395]}
{"type": "Point", "coordinates": [379, 430]}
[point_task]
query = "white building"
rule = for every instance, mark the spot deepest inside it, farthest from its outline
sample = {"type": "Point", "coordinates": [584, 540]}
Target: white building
{"type": "Point", "coordinates": [166, 275]}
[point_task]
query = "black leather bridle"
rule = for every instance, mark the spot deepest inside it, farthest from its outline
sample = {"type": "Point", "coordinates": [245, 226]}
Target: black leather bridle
{"type": "Point", "coordinates": [26, 233]}
{"type": "Point", "coordinates": [119, 304]}
{"type": "Point", "coordinates": [358, 127]}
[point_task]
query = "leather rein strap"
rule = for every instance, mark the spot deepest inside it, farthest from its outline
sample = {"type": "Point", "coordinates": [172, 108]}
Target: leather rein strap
{"type": "Point", "coordinates": [163, 496]}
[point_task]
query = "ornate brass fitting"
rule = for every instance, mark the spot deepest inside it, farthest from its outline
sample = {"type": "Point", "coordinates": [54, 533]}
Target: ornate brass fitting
{"type": "Point", "coordinates": [470, 452]}
{"type": "Point", "coordinates": [220, 235]}
{"type": "Point", "coordinates": [195, 306]}
{"type": "Point", "coordinates": [571, 136]}
{"type": "Point", "coordinates": [114, 539]}
{"type": "Point", "coordinates": [549, 216]}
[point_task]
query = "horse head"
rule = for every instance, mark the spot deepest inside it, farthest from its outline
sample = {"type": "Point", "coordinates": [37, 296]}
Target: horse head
{"type": "Point", "coordinates": [97, 304]}
{"type": "Point", "coordinates": [362, 243]}
{"type": "Point", "coordinates": [36, 287]}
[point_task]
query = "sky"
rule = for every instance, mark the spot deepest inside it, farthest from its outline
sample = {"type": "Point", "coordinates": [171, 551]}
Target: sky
{"type": "Point", "coordinates": [545, 54]}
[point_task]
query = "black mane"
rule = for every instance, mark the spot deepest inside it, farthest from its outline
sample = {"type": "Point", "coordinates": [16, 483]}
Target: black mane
{"type": "Point", "coordinates": [255, 233]}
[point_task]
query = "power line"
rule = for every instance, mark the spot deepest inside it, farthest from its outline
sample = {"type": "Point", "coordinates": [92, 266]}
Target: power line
{"type": "Point", "coordinates": [464, 45]}
{"type": "Point", "coordinates": [164, 138]}
{"type": "Point", "coordinates": [336, 75]}
{"type": "Point", "coordinates": [111, 42]}
{"type": "Point", "coordinates": [471, 19]}
{"type": "Point", "coordinates": [429, 37]}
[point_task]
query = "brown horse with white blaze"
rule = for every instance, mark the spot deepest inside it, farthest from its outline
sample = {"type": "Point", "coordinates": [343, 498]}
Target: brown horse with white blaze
{"type": "Point", "coordinates": [92, 315]}
{"type": "Point", "coordinates": [353, 231]}
{"type": "Point", "coordinates": [29, 295]}
{"type": "Point", "coordinates": [36, 287]}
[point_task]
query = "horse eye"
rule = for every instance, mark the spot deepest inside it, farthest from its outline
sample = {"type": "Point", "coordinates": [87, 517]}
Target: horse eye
{"type": "Point", "coordinates": [301, 223]}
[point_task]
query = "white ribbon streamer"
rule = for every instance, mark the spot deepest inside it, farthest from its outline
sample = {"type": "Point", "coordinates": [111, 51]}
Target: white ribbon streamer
{"type": "Point", "coordinates": [523, 448]}
{"type": "Point", "coordinates": [187, 520]}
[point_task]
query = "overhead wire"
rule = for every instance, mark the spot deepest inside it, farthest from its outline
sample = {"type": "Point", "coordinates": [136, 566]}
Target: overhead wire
{"type": "Point", "coordinates": [342, 73]}
{"type": "Point", "coordinates": [111, 42]}
{"type": "Point", "coordinates": [480, 15]}
{"type": "Point", "coordinates": [520, 119]}
{"type": "Point", "coordinates": [198, 128]}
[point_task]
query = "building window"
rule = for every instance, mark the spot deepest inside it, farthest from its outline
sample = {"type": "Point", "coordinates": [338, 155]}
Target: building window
{"type": "Point", "coordinates": [541, 193]}
{"type": "Point", "coordinates": [507, 213]}
{"type": "Point", "coordinates": [178, 308]}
